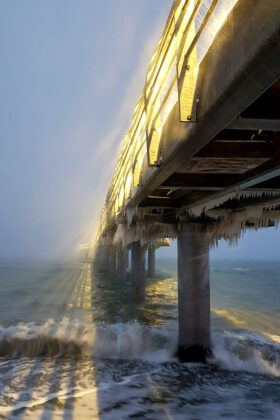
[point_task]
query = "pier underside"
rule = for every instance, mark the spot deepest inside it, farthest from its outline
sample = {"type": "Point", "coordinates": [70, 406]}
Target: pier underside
{"type": "Point", "coordinates": [231, 184]}
{"type": "Point", "coordinates": [214, 174]}
{"type": "Point", "coordinates": [237, 171]}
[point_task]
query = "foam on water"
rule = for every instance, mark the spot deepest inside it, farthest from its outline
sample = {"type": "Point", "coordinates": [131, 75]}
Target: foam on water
{"type": "Point", "coordinates": [246, 352]}
{"type": "Point", "coordinates": [132, 357]}
{"type": "Point", "coordinates": [48, 339]}
{"type": "Point", "coordinates": [82, 335]}
{"type": "Point", "coordinates": [72, 337]}
{"type": "Point", "coordinates": [234, 351]}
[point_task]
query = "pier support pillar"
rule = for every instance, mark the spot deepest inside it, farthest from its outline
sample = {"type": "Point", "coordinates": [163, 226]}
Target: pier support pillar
{"type": "Point", "coordinates": [126, 258]}
{"type": "Point", "coordinates": [151, 262]}
{"type": "Point", "coordinates": [121, 259]}
{"type": "Point", "coordinates": [112, 259]}
{"type": "Point", "coordinates": [138, 270]}
{"type": "Point", "coordinates": [193, 294]}
{"type": "Point", "coordinates": [101, 258]}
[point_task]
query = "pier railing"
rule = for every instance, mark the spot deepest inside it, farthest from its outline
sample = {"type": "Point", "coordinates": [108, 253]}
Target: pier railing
{"type": "Point", "coordinates": [171, 79]}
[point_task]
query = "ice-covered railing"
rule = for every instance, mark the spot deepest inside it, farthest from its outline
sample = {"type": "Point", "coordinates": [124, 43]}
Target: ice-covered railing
{"type": "Point", "coordinates": [172, 74]}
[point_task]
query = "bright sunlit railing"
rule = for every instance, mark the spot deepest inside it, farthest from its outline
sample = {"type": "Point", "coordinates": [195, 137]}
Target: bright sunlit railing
{"type": "Point", "coordinates": [171, 78]}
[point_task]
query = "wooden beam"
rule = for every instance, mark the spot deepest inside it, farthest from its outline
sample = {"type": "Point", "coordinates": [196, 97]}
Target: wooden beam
{"type": "Point", "coordinates": [270, 184]}
{"type": "Point", "coordinates": [162, 218]}
{"type": "Point", "coordinates": [265, 190]}
{"type": "Point", "coordinates": [213, 182]}
{"type": "Point", "coordinates": [225, 149]}
{"type": "Point", "coordinates": [255, 124]}
{"type": "Point", "coordinates": [244, 203]}
{"type": "Point", "coordinates": [251, 178]}
{"type": "Point", "coordinates": [199, 181]}
{"type": "Point", "coordinates": [162, 202]}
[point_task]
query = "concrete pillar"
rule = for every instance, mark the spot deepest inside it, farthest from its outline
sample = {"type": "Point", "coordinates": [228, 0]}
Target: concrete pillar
{"type": "Point", "coordinates": [126, 258]}
{"type": "Point", "coordinates": [151, 262]}
{"type": "Point", "coordinates": [112, 259]}
{"type": "Point", "coordinates": [121, 259]}
{"type": "Point", "coordinates": [193, 294]}
{"type": "Point", "coordinates": [138, 270]}
{"type": "Point", "coordinates": [129, 257]}
{"type": "Point", "coordinates": [101, 258]}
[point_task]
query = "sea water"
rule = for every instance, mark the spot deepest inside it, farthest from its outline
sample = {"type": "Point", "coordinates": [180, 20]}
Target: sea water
{"type": "Point", "coordinates": [73, 344]}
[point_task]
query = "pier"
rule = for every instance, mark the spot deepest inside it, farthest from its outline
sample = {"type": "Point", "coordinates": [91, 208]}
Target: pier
{"type": "Point", "coordinates": [201, 159]}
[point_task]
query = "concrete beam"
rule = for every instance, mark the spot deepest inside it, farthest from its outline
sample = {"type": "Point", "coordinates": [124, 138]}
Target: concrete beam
{"type": "Point", "coordinates": [155, 201]}
{"type": "Point", "coordinates": [197, 181]}
{"type": "Point", "coordinates": [255, 124]}
{"type": "Point", "coordinates": [237, 149]}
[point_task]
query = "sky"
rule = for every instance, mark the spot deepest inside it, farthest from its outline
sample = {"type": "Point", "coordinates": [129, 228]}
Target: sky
{"type": "Point", "coordinates": [71, 73]}
{"type": "Point", "coordinates": [262, 244]}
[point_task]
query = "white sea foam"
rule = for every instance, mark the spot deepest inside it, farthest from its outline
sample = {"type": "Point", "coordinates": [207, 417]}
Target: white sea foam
{"type": "Point", "coordinates": [246, 352]}
{"type": "Point", "coordinates": [133, 340]}
{"type": "Point", "coordinates": [129, 340]}
{"type": "Point", "coordinates": [243, 351]}
{"type": "Point", "coordinates": [123, 353]}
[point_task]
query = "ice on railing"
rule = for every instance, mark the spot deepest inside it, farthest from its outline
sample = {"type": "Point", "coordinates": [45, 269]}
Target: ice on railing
{"type": "Point", "coordinates": [171, 78]}
{"type": "Point", "coordinates": [214, 24]}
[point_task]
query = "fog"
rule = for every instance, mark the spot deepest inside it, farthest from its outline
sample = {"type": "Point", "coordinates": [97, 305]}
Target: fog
{"type": "Point", "coordinates": [71, 73]}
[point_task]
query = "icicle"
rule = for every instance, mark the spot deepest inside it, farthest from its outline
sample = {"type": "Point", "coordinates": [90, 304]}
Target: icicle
{"type": "Point", "coordinates": [129, 215]}
{"type": "Point", "coordinates": [197, 211]}
{"type": "Point", "coordinates": [149, 232]}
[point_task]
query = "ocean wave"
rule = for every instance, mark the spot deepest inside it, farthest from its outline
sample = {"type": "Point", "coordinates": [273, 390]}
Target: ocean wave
{"type": "Point", "coordinates": [71, 337]}
{"type": "Point", "coordinates": [48, 339]}
{"type": "Point", "coordinates": [243, 351]}
{"type": "Point", "coordinates": [246, 351]}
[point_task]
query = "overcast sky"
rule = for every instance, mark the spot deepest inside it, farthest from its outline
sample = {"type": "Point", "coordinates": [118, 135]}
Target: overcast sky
{"type": "Point", "coordinates": [258, 245]}
{"type": "Point", "coordinates": [71, 73]}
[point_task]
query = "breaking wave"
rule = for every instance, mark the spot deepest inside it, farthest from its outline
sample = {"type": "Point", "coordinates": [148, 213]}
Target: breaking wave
{"type": "Point", "coordinates": [246, 351]}
{"type": "Point", "coordinates": [240, 351]}
{"type": "Point", "coordinates": [48, 339]}
{"type": "Point", "coordinates": [70, 337]}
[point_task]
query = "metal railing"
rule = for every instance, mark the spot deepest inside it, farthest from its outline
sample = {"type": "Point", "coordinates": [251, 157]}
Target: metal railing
{"type": "Point", "coordinates": [171, 78]}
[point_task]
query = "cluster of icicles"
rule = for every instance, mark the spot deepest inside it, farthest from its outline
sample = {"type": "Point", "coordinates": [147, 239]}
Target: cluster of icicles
{"type": "Point", "coordinates": [227, 223]}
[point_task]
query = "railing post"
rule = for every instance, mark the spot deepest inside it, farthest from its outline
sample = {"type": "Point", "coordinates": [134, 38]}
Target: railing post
{"type": "Point", "coordinates": [193, 294]}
